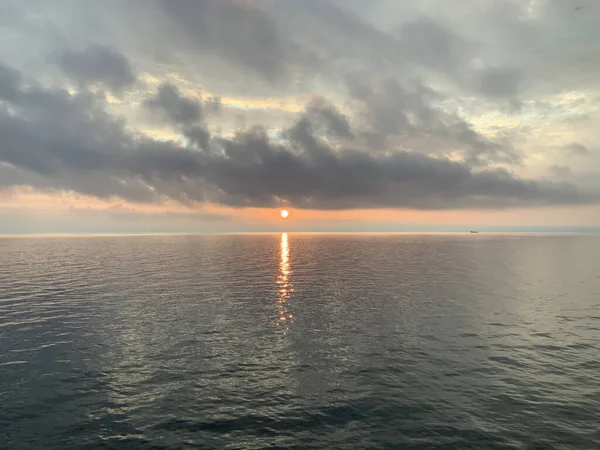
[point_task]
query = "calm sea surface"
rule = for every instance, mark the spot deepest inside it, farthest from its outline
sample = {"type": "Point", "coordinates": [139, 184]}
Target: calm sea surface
{"type": "Point", "coordinates": [300, 341]}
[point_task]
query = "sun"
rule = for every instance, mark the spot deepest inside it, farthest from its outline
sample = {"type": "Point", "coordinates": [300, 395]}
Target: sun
{"type": "Point", "coordinates": [284, 213]}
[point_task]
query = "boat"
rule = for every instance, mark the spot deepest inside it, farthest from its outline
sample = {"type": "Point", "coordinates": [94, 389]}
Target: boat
{"type": "Point", "coordinates": [474, 232]}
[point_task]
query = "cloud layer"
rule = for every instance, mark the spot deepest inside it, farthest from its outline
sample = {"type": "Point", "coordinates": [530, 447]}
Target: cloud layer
{"type": "Point", "coordinates": [424, 113]}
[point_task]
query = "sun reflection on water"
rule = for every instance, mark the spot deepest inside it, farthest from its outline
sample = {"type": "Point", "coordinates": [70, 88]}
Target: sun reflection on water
{"type": "Point", "coordinates": [283, 280]}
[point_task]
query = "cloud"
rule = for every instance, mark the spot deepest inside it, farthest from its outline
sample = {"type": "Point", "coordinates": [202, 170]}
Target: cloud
{"type": "Point", "coordinates": [179, 110]}
{"type": "Point", "coordinates": [320, 111]}
{"type": "Point", "coordinates": [186, 112]}
{"type": "Point", "coordinates": [409, 112]}
{"type": "Point", "coordinates": [561, 172]}
{"type": "Point", "coordinates": [98, 64]}
{"type": "Point", "coordinates": [500, 82]}
{"type": "Point", "coordinates": [577, 148]}
{"type": "Point", "coordinates": [231, 30]}
{"type": "Point", "coordinates": [10, 80]}
{"type": "Point", "coordinates": [319, 177]}
{"type": "Point", "coordinates": [68, 141]}
{"type": "Point", "coordinates": [433, 45]}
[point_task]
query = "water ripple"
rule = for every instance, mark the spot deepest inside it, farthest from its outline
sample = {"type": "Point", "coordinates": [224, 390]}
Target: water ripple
{"type": "Point", "coordinates": [300, 341]}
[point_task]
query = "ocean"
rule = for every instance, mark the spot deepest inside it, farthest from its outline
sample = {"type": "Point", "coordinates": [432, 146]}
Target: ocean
{"type": "Point", "coordinates": [300, 341]}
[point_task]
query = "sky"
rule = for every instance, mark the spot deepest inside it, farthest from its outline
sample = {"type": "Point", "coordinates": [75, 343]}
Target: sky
{"type": "Point", "coordinates": [212, 115]}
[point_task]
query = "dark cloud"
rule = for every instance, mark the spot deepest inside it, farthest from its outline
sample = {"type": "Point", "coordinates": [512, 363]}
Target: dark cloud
{"type": "Point", "coordinates": [500, 82]}
{"type": "Point", "coordinates": [178, 109]}
{"type": "Point", "coordinates": [64, 141]}
{"type": "Point", "coordinates": [316, 176]}
{"type": "Point", "coordinates": [300, 39]}
{"type": "Point", "coordinates": [290, 43]}
{"type": "Point", "coordinates": [432, 44]}
{"type": "Point", "coordinates": [9, 83]}
{"type": "Point", "coordinates": [320, 111]}
{"type": "Point", "coordinates": [213, 105]}
{"type": "Point", "coordinates": [185, 112]}
{"type": "Point", "coordinates": [57, 140]}
{"type": "Point", "coordinates": [578, 149]}
{"type": "Point", "coordinates": [334, 34]}
{"type": "Point", "coordinates": [411, 113]}
{"type": "Point", "coordinates": [347, 39]}
{"type": "Point", "coordinates": [401, 138]}
{"type": "Point", "coordinates": [561, 172]}
{"type": "Point", "coordinates": [98, 64]}
{"type": "Point", "coordinates": [198, 136]}
{"type": "Point", "coordinates": [238, 32]}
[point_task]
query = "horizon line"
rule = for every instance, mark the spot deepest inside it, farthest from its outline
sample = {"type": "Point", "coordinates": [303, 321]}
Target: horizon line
{"type": "Point", "coordinates": [580, 231]}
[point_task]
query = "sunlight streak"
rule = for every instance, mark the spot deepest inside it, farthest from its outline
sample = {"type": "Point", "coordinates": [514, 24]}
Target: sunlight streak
{"type": "Point", "coordinates": [285, 286]}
